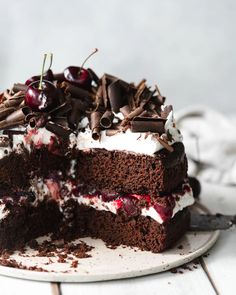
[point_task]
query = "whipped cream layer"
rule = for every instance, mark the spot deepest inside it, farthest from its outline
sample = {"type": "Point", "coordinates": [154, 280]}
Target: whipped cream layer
{"type": "Point", "coordinates": [152, 210]}
{"type": "Point", "coordinates": [62, 191]}
{"type": "Point", "coordinates": [136, 142]}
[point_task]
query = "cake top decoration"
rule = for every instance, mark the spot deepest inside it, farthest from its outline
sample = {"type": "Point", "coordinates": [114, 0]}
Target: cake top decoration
{"type": "Point", "coordinates": [60, 101]}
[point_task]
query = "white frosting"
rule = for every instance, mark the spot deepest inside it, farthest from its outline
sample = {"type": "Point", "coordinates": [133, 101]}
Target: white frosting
{"type": "Point", "coordinates": [98, 204]}
{"type": "Point", "coordinates": [183, 201]}
{"type": "Point", "coordinates": [40, 136]}
{"type": "Point", "coordinates": [139, 142]}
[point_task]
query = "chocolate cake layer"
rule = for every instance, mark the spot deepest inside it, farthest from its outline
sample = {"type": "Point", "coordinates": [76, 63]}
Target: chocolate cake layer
{"type": "Point", "coordinates": [17, 169]}
{"type": "Point", "coordinates": [142, 232]}
{"type": "Point", "coordinates": [26, 222]}
{"type": "Point", "coordinates": [123, 172]}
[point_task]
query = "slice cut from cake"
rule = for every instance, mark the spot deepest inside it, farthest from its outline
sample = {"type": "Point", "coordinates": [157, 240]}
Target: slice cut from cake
{"type": "Point", "coordinates": [102, 159]}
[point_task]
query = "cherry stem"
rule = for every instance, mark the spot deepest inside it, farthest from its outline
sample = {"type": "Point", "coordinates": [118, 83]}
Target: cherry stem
{"type": "Point", "coordinates": [88, 57]}
{"type": "Point", "coordinates": [42, 72]}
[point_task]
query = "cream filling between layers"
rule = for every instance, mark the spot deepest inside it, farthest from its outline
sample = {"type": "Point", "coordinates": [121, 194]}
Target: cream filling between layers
{"type": "Point", "coordinates": [181, 201]}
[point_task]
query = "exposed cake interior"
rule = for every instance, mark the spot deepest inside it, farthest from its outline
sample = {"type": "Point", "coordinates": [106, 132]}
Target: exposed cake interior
{"type": "Point", "coordinates": [106, 161]}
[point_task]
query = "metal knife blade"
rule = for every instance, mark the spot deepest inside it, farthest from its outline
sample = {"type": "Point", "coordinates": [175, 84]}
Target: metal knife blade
{"type": "Point", "coordinates": [208, 222]}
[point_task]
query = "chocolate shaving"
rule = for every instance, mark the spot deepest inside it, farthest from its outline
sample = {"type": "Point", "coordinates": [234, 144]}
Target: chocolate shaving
{"type": "Point", "coordinates": [104, 91]}
{"type": "Point", "coordinates": [19, 87]}
{"type": "Point", "coordinates": [166, 110]}
{"type": "Point", "coordinates": [106, 119]}
{"type": "Point", "coordinates": [78, 109]}
{"type": "Point", "coordinates": [95, 124]}
{"type": "Point", "coordinates": [140, 90]}
{"type": "Point", "coordinates": [61, 110]}
{"type": "Point", "coordinates": [164, 144]}
{"type": "Point", "coordinates": [143, 124]}
{"type": "Point", "coordinates": [12, 102]}
{"type": "Point", "coordinates": [111, 132]}
{"type": "Point", "coordinates": [133, 114]}
{"type": "Point", "coordinates": [6, 125]}
{"type": "Point", "coordinates": [5, 112]}
{"type": "Point", "coordinates": [59, 77]}
{"type": "Point", "coordinates": [58, 130]}
{"type": "Point", "coordinates": [115, 96]}
{"type": "Point", "coordinates": [93, 76]}
{"type": "Point", "coordinates": [99, 99]}
{"type": "Point", "coordinates": [7, 94]}
{"type": "Point", "coordinates": [76, 91]}
{"type": "Point", "coordinates": [18, 115]}
{"type": "Point", "coordinates": [125, 110]}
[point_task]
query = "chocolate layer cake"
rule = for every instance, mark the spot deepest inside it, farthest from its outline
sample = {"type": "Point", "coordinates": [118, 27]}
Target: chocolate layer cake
{"type": "Point", "coordinates": [88, 156]}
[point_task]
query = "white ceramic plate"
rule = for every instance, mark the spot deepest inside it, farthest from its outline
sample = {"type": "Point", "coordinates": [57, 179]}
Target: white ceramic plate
{"type": "Point", "coordinates": [109, 264]}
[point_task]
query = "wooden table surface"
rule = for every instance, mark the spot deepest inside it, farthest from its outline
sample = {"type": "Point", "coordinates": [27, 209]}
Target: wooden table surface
{"type": "Point", "coordinates": [216, 273]}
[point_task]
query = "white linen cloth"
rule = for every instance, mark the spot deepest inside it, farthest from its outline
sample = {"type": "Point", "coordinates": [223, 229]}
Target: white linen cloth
{"type": "Point", "coordinates": [210, 143]}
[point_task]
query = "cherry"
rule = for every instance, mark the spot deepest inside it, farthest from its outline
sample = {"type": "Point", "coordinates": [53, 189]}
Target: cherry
{"type": "Point", "coordinates": [165, 212]}
{"type": "Point", "coordinates": [129, 206]}
{"type": "Point", "coordinates": [78, 75]}
{"type": "Point", "coordinates": [41, 96]}
{"type": "Point", "coordinates": [47, 76]}
{"type": "Point", "coordinates": [41, 100]}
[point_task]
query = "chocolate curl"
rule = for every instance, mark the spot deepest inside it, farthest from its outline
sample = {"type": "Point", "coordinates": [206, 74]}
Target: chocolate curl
{"type": "Point", "coordinates": [1, 97]}
{"type": "Point", "coordinates": [5, 125]}
{"type": "Point", "coordinates": [58, 130]}
{"type": "Point", "coordinates": [125, 110]}
{"type": "Point", "coordinates": [99, 98]}
{"type": "Point", "coordinates": [12, 102]}
{"type": "Point", "coordinates": [5, 112]}
{"type": "Point", "coordinates": [160, 99]}
{"type": "Point", "coordinates": [115, 96]}
{"type": "Point", "coordinates": [61, 110]}
{"type": "Point", "coordinates": [111, 132]}
{"type": "Point", "coordinates": [62, 121]}
{"type": "Point", "coordinates": [140, 88]}
{"type": "Point", "coordinates": [142, 124]}
{"type": "Point", "coordinates": [18, 115]}
{"type": "Point", "coordinates": [32, 122]}
{"type": "Point", "coordinates": [93, 76]}
{"type": "Point", "coordinates": [76, 91]}
{"type": "Point", "coordinates": [19, 87]}
{"type": "Point", "coordinates": [135, 113]}
{"type": "Point", "coordinates": [7, 94]}
{"type": "Point", "coordinates": [78, 108]}
{"type": "Point", "coordinates": [165, 112]}
{"type": "Point", "coordinates": [106, 119]}
{"type": "Point", "coordinates": [37, 120]}
{"type": "Point", "coordinates": [104, 90]}
{"type": "Point", "coordinates": [143, 81]}
{"type": "Point", "coordinates": [59, 77]}
{"type": "Point", "coordinates": [164, 144]}
{"type": "Point", "coordinates": [95, 124]}
{"type": "Point", "coordinates": [60, 96]}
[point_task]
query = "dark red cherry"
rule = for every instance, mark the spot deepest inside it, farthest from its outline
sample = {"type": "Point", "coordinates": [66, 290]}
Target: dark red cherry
{"type": "Point", "coordinates": [41, 100]}
{"type": "Point", "coordinates": [129, 206]}
{"type": "Point", "coordinates": [165, 212]}
{"type": "Point", "coordinates": [78, 76]}
{"type": "Point", "coordinates": [47, 76]}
